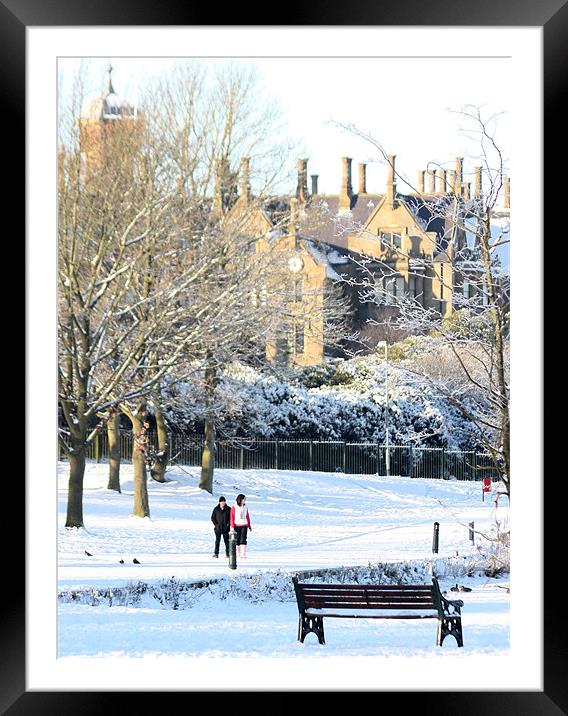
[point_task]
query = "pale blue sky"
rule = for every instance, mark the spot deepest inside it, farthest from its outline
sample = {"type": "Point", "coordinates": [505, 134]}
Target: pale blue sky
{"type": "Point", "coordinates": [411, 105]}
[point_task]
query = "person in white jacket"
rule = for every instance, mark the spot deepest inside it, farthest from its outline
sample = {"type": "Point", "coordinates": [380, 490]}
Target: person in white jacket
{"type": "Point", "coordinates": [240, 522]}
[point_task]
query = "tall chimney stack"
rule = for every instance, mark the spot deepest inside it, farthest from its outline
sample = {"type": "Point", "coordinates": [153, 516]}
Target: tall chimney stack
{"type": "Point", "coordinates": [507, 192]}
{"type": "Point", "coordinates": [442, 188]}
{"type": "Point", "coordinates": [218, 197]}
{"type": "Point", "coordinates": [245, 177]}
{"type": "Point", "coordinates": [302, 188]}
{"type": "Point", "coordinates": [421, 180]}
{"type": "Point", "coordinates": [431, 181]}
{"type": "Point", "coordinates": [478, 182]}
{"type": "Point", "coordinates": [459, 176]}
{"type": "Point", "coordinates": [452, 181]}
{"type": "Point", "coordinates": [362, 178]}
{"type": "Point", "coordinates": [346, 190]}
{"type": "Point", "coordinates": [314, 184]}
{"type": "Point", "coordinates": [391, 183]}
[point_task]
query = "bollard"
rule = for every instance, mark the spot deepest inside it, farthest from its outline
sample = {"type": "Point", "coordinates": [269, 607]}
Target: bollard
{"type": "Point", "coordinates": [232, 549]}
{"type": "Point", "coordinates": [471, 532]}
{"type": "Point", "coordinates": [436, 537]}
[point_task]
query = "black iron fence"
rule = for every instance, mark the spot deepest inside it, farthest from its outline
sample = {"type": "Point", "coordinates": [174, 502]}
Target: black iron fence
{"type": "Point", "coordinates": [362, 458]}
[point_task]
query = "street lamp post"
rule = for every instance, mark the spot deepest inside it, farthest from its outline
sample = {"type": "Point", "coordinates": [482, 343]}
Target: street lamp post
{"type": "Point", "coordinates": [384, 344]}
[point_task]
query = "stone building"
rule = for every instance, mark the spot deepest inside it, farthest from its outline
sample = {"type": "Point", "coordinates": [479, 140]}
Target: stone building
{"type": "Point", "coordinates": [377, 246]}
{"type": "Point", "coordinates": [380, 246]}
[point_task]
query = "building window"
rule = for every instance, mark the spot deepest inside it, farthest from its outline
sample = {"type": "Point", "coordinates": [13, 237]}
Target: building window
{"type": "Point", "coordinates": [412, 286]}
{"type": "Point", "coordinates": [441, 282]}
{"type": "Point", "coordinates": [391, 285]}
{"type": "Point", "coordinates": [298, 338]}
{"type": "Point", "coordinates": [466, 288]}
{"type": "Point", "coordinates": [390, 239]}
{"type": "Point", "coordinates": [282, 351]}
{"type": "Point", "coordinates": [298, 290]}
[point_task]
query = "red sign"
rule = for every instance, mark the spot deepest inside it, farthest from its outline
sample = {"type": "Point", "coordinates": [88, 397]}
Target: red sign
{"type": "Point", "coordinates": [486, 484]}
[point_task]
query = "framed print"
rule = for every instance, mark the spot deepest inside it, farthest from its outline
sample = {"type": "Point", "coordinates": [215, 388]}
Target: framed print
{"type": "Point", "coordinates": [42, 47]}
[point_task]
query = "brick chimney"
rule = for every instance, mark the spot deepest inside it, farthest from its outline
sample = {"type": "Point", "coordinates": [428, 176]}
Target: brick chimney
{"type": "Point", "coordinates": [507, 192]}
{"type": "Point", "coordinates": [452, 181]}
{"type": "Point", "coordinates": [245, 178]}
{"type": "Point", "coordinates": [442, 187]}
{"type": "Point", "coordinates": [431, 181]}
{"type": "Point", "coordinates": [224, 190]}
{"type": "Point", "coordinates": [478, 182]}
{"type": "Point", "coordinates": [421, 173]}
{"type": "Point", "coordinates": [362, 178]}
{"type": "Point", "coordinates": [391, 183]}
{"type": "Point", "coordinates": [459, 176]}
{"type": "Point", "coordinates": [314, 183]}
{"type": "Point", "coordinates": [346, 190]}
{"type": "Point", "coordinates": [302, 188]}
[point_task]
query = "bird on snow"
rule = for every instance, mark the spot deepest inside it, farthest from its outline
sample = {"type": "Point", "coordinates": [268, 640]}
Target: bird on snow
{"type": "Point", "coordinates": [465, 589]}
{"type": "Point", "coordinates": [121, 561]}
{"type": "Point", "coordinates": [88, 554]}
{"type": "Point", "coordinates": [455, 589]}
{"type": "Point", "coordinates": [135, 561]}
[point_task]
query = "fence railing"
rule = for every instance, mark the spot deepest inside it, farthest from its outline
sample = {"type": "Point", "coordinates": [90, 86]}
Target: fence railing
{"type": "Point", "coordinates": [362, 458]}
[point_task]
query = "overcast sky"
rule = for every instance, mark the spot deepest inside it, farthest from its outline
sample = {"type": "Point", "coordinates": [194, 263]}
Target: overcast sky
{"type": "Point", "coordinates": [411, 105]}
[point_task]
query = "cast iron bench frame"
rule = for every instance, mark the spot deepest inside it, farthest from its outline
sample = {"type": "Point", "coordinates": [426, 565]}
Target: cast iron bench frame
{"type": "Point", "coordinates": [401, 601]}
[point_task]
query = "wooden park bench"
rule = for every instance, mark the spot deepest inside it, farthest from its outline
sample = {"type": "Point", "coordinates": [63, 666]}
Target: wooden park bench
{"type": "Point", "coordinates": [317, 602]}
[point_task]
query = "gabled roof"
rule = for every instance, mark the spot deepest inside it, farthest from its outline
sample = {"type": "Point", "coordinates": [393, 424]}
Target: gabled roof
{"type": "Point", "coordinates": [326, 223]}
{"type": "Point", "coordinates": [426, 209]}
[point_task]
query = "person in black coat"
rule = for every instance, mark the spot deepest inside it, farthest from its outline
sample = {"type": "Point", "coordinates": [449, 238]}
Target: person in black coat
{"type": "Point", "coordinates": [221, 518]}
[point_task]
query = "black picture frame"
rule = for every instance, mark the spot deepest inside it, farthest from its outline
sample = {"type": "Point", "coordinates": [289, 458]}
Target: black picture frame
{"type": "Point", "coordinates": [552, 16]}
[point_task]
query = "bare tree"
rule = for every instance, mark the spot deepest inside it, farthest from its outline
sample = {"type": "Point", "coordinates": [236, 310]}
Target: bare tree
{"type": "Point", "coordinates": [119, 296]}
{"type": "Point", "coordinates": [467, 360]}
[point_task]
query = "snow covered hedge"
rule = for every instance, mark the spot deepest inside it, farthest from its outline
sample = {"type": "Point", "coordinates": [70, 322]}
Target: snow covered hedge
{"type": "Point", "coordinates": [274, 586]}
{"type": "Point", "coordinates": [341, 400]}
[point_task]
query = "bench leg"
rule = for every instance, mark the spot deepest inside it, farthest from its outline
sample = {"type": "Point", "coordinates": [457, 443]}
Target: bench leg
{"type": "Point", "coordinates": [450, 626]}
{"type": "Point", "coordinates": [308, 625]}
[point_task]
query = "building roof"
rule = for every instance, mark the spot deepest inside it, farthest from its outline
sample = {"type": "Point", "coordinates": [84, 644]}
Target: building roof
{"type": "Point", "coordinates": [324, 221]}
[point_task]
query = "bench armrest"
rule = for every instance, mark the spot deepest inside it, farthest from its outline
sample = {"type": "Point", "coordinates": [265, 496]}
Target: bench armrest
{"type": "Point", "coordinates": [451, 607]}
{"type": "Point", "coordinates": [448, 607]}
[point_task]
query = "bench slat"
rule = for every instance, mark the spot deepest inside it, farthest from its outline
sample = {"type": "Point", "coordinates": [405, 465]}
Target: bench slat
{"type": "Point", "coordinates": [359, 605]}
{"type": "Point", "coordinates": [427, 614]}
{"type": "Point", "coordinates": [409, 596]}
{"type": "Point", "coordinates": [380, 587]}
{"type": "Point", "coordinates": [372, 597]}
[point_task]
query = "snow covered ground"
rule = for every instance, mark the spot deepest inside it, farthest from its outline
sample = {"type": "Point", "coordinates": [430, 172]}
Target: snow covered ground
{"type": "Point", "coordinates": [301, 521]}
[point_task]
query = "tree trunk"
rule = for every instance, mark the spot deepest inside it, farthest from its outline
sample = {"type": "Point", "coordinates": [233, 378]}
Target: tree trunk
{"type": "Point", "coordinates": [139, 457]}
{"type": "Point", "coordinates": [499, 353]}
{"type": "Point", "coordinates": [208, 457]}
{"type": "Point", "coordinates": [160, 463]}
{"type": "Point", "coordinates": [113, 432]}
{"type": "Point", "coordinates": [76, 476]}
